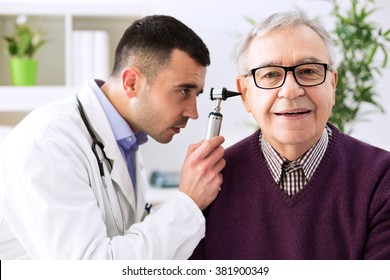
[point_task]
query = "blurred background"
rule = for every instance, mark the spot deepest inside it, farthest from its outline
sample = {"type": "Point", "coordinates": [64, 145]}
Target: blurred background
{"type": "Point", "coordinates": [221, 24]}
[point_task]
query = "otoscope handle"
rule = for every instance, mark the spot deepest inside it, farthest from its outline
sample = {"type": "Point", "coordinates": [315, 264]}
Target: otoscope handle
{"type": "Point", "coordinates": [214, 125]}
{"type": "Point", "coordinates": [215, 117]}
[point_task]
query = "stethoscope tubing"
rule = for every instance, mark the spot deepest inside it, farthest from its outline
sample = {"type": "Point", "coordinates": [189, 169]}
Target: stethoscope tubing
{"type": "Point", "coordinates": [97, 143]}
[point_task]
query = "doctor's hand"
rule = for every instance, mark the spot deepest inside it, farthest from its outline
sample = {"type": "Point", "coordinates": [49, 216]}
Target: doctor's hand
{"type": "Point", "coordinates": [201, 176]}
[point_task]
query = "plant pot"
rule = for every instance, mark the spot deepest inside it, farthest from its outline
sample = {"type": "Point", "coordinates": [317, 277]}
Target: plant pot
{"type": "Point", "coordinates": [23, 71]}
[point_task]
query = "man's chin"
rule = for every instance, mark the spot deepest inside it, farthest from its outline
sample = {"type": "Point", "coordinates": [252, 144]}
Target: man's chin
{"type": "Point", "coordinates": [163, 139]}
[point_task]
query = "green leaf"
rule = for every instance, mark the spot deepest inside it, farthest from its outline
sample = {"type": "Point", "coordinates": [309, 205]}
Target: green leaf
{"type": "Point", "coordinates": [24, 42]}
{"type": "Point", "coordinates": [358, 41]}
{"type": "Point", "coordinates": [385, 56]}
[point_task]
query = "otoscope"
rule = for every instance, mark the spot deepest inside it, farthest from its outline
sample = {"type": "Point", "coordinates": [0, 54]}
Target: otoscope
{"type": "Point", "coordinates": [215, 117]}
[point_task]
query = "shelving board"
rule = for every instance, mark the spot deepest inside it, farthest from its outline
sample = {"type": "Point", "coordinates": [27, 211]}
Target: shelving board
{"type": "Point", "coordinates": [24, 99]}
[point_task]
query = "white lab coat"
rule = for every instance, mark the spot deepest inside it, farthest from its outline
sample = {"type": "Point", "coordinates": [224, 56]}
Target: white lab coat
{"type": "Point", "coordinates": [52, 201]}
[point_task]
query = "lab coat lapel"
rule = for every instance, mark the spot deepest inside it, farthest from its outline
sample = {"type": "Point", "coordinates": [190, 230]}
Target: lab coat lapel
{"type": "Point", "coordinates": [142, 185]}
{"type": "Point", "coordinates": [119, 173]}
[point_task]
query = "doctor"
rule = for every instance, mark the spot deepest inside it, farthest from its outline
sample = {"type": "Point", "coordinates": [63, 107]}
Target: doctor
{"type": "Point", "coordinates": [69, 179]}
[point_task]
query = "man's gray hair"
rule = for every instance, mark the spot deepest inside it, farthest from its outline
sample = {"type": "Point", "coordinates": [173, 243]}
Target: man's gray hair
{"type": "Point", "coordinates": [277, 21]}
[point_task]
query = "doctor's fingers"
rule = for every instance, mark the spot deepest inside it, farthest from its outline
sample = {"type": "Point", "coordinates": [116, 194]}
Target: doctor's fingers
{"type": "Point", "coordinates": [219, 166]}
{"type": "Point", "coordinates": [210, 191]}
{"type": "Point", "coordinates": [193, 147]}
{"type": "Point", "coordinates": [200, 166]}
{"type": "Point", "coordinates": [214, 161]}
{"type": "Point", "coordinates": [205, 147]}
{"type": "Point", "coordinates": [214, 174]}
{"type": "Point", "coordinates": [209, 173]}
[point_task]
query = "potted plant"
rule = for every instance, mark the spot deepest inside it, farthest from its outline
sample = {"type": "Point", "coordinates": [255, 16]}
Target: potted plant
{"type": "Point", "coordinates": [21, 47]}
{"type": "Point", "coordinates": [362, 45]}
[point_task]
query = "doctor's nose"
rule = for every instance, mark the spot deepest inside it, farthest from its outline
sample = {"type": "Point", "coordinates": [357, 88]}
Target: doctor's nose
{"type": "Point", "coordinates": [290, 89]}
{"type": "Point", "coordinates": [191, 110]}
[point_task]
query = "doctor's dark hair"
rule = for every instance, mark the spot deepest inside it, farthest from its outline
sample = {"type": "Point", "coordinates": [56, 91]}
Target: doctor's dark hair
{"type": "Point", "coordinates": [148, 44]}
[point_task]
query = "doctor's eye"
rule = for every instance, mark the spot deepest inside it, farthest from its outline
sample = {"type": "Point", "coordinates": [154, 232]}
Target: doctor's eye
{"type": "Point", "coordinates": [185, 91]}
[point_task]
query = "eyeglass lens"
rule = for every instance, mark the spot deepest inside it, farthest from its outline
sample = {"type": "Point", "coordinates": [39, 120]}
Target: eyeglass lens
{"type": "Point", "coordinates": [310, 74]}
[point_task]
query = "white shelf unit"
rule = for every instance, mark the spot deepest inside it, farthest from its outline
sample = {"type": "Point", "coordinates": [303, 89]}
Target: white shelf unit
{"type": "Point", "coordinates": [55, 64]}
{"type": "Point", "coordinates": [58, 21]}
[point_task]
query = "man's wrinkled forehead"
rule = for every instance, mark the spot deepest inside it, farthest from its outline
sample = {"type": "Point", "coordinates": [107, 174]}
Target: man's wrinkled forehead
{"type": "Point", "coordinates": [286, 47]}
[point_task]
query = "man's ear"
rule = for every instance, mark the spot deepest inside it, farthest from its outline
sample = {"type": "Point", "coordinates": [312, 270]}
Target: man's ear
{"type": "Point", "coordinates": [334, 84]}
{"type": "Point", "coordinates": [131, 81]}
{"type": "Point", "coordinates": [243, 89]}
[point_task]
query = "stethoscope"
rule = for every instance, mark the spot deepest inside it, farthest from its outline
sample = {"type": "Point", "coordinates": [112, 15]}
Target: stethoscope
{"type": "Point", "coordinates": [96, 144]}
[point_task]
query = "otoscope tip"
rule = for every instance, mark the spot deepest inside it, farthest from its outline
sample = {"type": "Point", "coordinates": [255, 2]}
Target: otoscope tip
{"type": "Point", "coordinates": [222, 93]}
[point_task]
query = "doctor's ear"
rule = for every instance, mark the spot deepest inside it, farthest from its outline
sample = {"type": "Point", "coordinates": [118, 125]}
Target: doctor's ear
{"type": "Point", "coordinates": [131, 81]}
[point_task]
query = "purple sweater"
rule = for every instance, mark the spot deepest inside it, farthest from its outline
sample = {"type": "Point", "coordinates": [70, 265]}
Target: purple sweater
{"type": "Point", "coordinates": [342, 213]}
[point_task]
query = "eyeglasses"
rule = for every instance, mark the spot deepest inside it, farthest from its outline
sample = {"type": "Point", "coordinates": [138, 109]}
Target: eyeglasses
{"type": "Point", "coordinates": [306, 74]}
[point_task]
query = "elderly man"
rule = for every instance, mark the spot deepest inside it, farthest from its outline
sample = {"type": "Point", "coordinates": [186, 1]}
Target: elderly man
{"type": "Point", "coordinates": [297, 188]}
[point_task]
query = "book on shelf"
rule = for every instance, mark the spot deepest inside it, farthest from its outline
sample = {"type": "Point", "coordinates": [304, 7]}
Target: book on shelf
{"type": "Point", "coordinates": [90, 56]}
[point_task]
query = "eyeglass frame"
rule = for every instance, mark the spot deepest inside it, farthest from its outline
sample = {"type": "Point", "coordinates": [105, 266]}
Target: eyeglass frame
{"type": "Point", "coordinates": [286, 70]}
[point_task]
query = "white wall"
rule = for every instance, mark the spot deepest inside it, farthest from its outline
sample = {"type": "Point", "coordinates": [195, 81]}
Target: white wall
{"type": "Point", "coordinates": [218, 23]}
